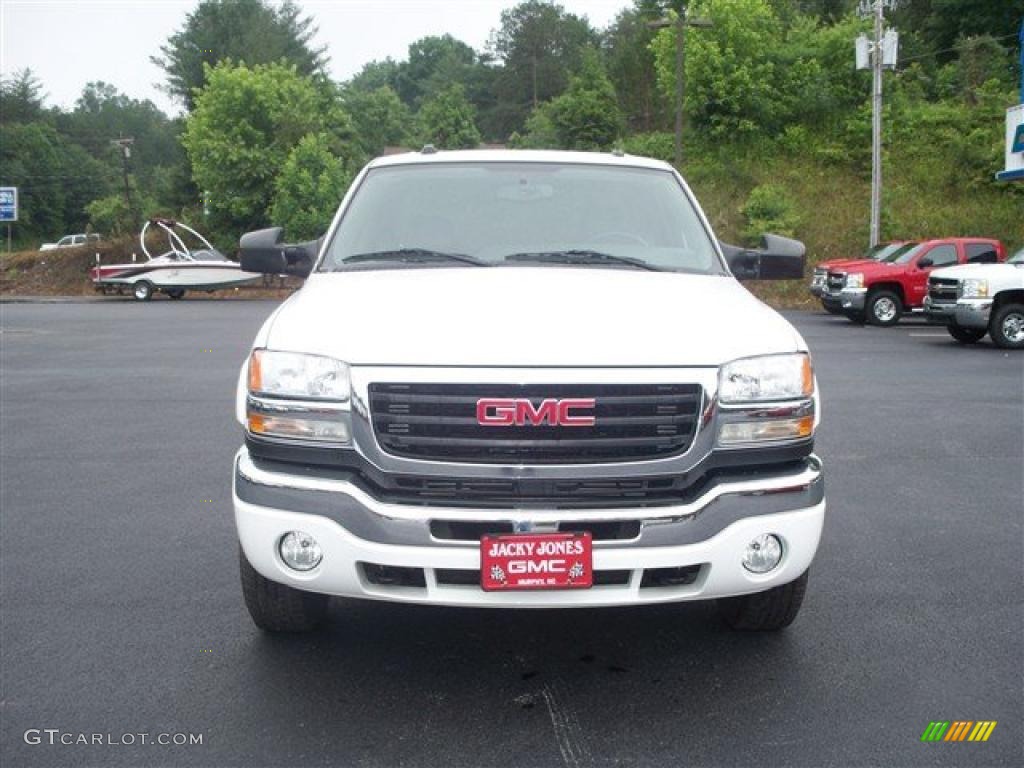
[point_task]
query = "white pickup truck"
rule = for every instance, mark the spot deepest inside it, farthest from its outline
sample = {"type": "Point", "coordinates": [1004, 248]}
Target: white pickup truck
{"type": "Point", "coordinates": [525, 380]}
{"type": "Point", "coordinates": [975, 299]}
{"type": "Point", "coordinates": [73, 241]}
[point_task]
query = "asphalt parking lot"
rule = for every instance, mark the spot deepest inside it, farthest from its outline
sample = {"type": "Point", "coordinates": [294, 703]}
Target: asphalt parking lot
{"type": "Point", "coordinates": [122, 613]}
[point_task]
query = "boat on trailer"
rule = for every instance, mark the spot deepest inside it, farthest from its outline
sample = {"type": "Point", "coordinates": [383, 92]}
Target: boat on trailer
{"type": "Point", "coordinates": [176, 270]}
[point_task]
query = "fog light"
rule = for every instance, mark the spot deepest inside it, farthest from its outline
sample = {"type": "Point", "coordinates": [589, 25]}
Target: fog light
{"type": "Point", "coordinates": [762, 554]}
{"type": "Point", "coordinates": [300, 551]}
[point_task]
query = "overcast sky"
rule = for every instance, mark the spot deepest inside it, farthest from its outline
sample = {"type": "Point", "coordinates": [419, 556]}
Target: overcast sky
{"type": "Point", "coordinates": [69, 43]}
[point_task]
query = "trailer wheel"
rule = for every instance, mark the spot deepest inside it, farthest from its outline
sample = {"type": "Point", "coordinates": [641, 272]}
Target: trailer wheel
{"type": "Point", "coordinates": [176, 293]}
{"type": "Point", "coordinates": [142, 290]}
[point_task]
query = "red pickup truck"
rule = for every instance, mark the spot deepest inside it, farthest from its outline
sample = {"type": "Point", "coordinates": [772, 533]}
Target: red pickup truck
{"type": "Point", "coordinates": [882, 292]}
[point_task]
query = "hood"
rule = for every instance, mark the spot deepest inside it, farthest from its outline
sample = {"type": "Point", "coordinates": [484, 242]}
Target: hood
{"type": "Point", "coordinates": [836, 264]}
{"type": "Point", "coordinates": [863, 265]}
{"type": "Point", "coordinates": [527, 316]}
{"type": "Point", "coordinates": [873, 268]}
{"type": "Point", "coordinates": [981, 271]}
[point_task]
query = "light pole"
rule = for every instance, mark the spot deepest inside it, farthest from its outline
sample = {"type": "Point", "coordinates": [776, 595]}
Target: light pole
{"type": "Point", "coordinates": [680, 22]}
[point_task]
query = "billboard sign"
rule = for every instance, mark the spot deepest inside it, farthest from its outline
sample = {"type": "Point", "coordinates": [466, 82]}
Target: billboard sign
{"type": "Point", "coordinates": [1014, 169]}
{"type": "Point", "coordinates": [8, 204]}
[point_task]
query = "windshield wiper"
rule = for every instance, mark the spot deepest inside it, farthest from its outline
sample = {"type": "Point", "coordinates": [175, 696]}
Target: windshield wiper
{"type": "Point", "coordinates": [413, 256]}
{"type": "Point", "coordinates": [579, 256]}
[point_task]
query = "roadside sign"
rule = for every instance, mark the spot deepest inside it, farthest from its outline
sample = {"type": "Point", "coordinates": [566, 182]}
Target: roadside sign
{"type": "Point", "coordinates": [8, 204]}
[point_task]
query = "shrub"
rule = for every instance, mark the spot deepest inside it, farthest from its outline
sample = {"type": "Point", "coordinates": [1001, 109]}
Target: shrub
{"type": "Point", "coordinates": [769, 209]}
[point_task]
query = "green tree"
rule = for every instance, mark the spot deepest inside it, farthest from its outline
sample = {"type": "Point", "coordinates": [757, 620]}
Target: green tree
{"type": "Point", "coordinates": [102, 113]}
{"type": "Point", "coordinates": [379, 116]}
{"type": "Point", "coordinates": [733, 81]}
{"type": "Point", "coordinates": [940, 24]}
{"type": "Point", "coordinates": [374, 75]}
{"type": "Point", "coordinates": [309, 188]}
{"type": "Point", "coordinates": [55, 179]}
{"type": "Point", "coordinates": [587, 115]}
{"type": "Point", "coordinates": [631, 69]}
{"type": "Point", "coordinates": [245, 124]}
{"type": "Point", "coordinates": [253, 31]}
{"type": "Point", "coordinates": [21, 98]}
{"type": "Point", "coordinates": [433, 64]}
{"type": "Point", "coordinates": [539, 44]}
{"type": "Point", "coordinates": [112, 216]}
{"type": "Point", "coordinates": [448, 121]}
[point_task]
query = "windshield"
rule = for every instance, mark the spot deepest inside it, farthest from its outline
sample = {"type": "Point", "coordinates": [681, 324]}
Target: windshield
{"type": "Point", "coordinates": [893, 251]}
{"type": "Point", "coordinates": [1017, 258]}
{"type": "Point", "coordinates": [515, 214]}
{"type": "Point", "coordinates": [881, 252]}
{"type": "Point", "coordinates": [906, 256]}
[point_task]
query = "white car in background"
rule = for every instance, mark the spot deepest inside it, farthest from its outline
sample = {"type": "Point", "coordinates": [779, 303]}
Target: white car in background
{"type": "Point", "coordinates": [72, 241]}
{"type": "Point", "coordinates": [975, 299]}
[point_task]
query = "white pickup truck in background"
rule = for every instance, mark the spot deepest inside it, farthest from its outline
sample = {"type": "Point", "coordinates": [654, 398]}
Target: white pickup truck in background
{"type": "Point", "coordinates": [975, 299]}
{"type": "Point", "coordinates": [72, 241]}
{"type": "Point", "coordinates": [525, 380]}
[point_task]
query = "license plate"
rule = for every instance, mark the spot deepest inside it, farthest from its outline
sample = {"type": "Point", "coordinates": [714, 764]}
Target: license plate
{"type": "Point", "coordinates": [536, 561]}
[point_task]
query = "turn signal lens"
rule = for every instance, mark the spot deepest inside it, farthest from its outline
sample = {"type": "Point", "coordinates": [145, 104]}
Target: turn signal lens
{"type": "Point", "coordinates": [765, 431]}
{"type": "Point", "coordinates": [298, 428]}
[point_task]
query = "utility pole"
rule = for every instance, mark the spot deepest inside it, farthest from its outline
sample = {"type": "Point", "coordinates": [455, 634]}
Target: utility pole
{"type": "Point", "coordinates": [681, 22]}
{"type": "Point", "coordinates": [125, 145]}
{"type": "Point", "coordinates": [876, 128]}
{"type": "Point", "coordinates": [680, 76]}
{"type": "Point", "coordinates": [877, 53]}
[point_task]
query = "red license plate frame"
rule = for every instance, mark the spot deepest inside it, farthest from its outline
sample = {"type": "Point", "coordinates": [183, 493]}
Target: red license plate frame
{"type": "Point", "coordinates": [536, 561]}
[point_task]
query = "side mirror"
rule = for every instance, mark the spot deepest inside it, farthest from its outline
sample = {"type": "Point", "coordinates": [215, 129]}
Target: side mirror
{"type": "Point", "coordinates": [925, 262]}
{"type": "Point", "coordinates": [778, 258]}
{"type": "Point", "coordinates": [262, 251]}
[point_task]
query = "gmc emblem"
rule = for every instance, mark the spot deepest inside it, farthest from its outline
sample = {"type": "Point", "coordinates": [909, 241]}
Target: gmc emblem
{"type": "Point", "coordinates": [517, 411]}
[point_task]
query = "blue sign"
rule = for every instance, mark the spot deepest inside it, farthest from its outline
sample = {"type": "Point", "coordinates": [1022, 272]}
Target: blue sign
{"type": "Point", "coordinates": [8, 204]}
{"type": "Point", "coordinates": [1018, 139]}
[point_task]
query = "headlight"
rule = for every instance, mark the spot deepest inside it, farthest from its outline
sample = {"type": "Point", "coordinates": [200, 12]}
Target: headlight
{"type": "Point", "coordinates": [972, 288]}
{"type": "Point", "coordinates": [294, 375]}
{"type": "Point", "coordinates": [766, 379]}
{"type": "Point", "coordinates": [298, 397]}
{"type": "Point", "coordinates": [854, 280]}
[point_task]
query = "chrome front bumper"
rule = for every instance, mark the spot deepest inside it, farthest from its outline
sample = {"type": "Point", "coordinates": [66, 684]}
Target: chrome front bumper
{"type": "Point", "coordinates": [707, 531]}
{"type": "Point", "coordinates": [966, 313]}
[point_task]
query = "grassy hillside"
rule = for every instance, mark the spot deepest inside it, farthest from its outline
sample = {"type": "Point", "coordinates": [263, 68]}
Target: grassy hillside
{"type": "Point", "coordinates": [830, 203]}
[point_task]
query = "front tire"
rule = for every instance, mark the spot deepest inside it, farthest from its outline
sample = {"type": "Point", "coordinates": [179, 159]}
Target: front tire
{"type": "Point", "coordinates": [767, 611]}
{"type": "Point", "coordinates": [966, 335]}
{"type": "Point", "coordinates": [277, 607]}
{"type": "Point", "coordinates": [142, 290]}
{"type": "Point", "coordinates": [883, 308]}
{"type": "Point", "coordinates": [1007, 326]}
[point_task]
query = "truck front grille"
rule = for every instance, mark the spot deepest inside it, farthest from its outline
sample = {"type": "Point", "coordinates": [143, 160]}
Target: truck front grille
{"type": "Point", "coordinates": [834, 282]}
{"type": "Point", "coordinates": [942, 290]}
{"type": "Point", "coordinates": [439, 422]}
